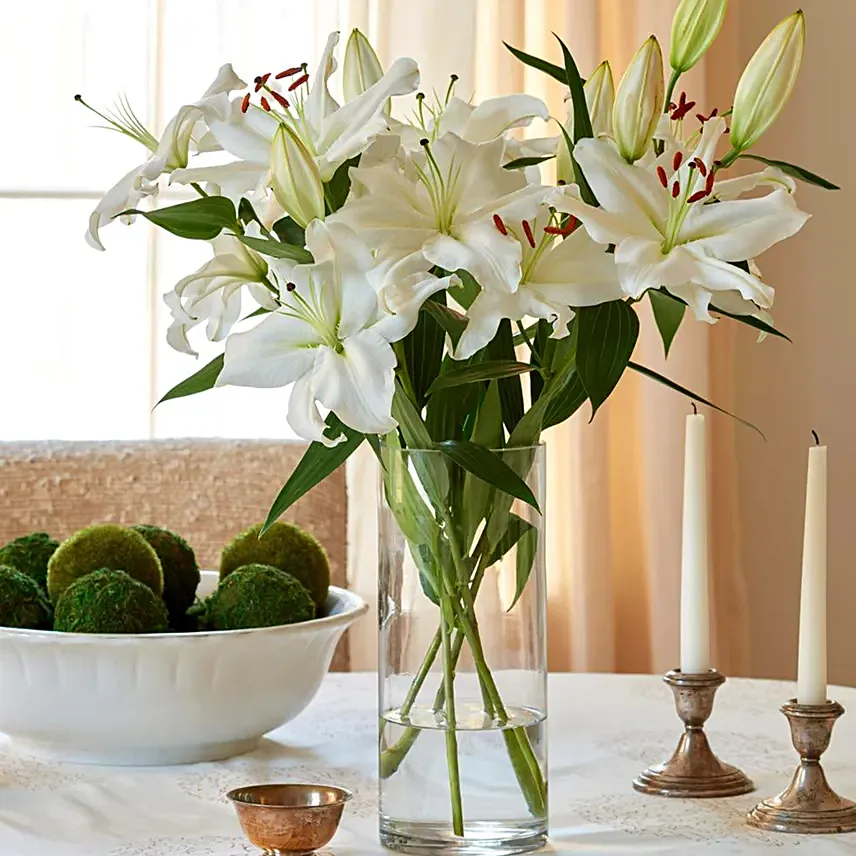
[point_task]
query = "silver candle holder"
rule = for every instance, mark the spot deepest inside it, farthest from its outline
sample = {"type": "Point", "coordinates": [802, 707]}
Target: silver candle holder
{"type": "Point", "coordinates": [808, 804]}
{"type": "Point", "coordinates": [693, 770]}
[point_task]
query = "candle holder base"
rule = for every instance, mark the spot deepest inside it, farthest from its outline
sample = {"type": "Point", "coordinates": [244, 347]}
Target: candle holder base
{"type": "Point", "coordinates": [693, 771]}
{"type": "Point", "coordinates": [808, 804]}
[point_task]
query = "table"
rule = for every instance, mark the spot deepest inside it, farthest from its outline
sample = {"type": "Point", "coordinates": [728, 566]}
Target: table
{"type": "Point", "coordinates": [603, 730]}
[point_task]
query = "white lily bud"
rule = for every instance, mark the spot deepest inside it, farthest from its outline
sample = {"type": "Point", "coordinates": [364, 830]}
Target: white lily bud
{"type": "Point", "coordinates": [639, 101]}
{"type": "Point", "coordinates": [361, 68]}
{"type": "Point", "coordinates": [694, 28]}
{"type": "Point", "coordinates": [767, 81]}
{"type": "Point", "coordinates": [600, 98]}
{"type": "Point", "coordinates": [295, 178]}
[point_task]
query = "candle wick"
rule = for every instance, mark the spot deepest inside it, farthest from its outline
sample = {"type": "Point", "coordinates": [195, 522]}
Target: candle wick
{"type": "Point", "coordinates": [816, 438]}
{"type": "Point", "coordinates": [695, 409]}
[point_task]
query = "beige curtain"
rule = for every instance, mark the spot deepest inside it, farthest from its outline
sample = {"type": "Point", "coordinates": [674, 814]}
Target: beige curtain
{"type": "Point", "coordinates": [615, 485]}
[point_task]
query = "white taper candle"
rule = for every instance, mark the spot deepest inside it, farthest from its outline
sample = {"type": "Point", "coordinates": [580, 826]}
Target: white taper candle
{"type": "Point", "coordinates": [811, 668]}
{"type": "Point", "coordinates": [695, 597]}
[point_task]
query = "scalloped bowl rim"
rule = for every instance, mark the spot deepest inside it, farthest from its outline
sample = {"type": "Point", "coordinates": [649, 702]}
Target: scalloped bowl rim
{"type": "Point", "coordinates": [353, 606]}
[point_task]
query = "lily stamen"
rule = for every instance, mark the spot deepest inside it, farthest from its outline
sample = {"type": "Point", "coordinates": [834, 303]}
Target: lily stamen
{"type": "Point", "coordinates": [661, 174]}
{"type": "Point", "coordinates": [245, 103]}
{"type": "Point", "coordinates": [265, 104]}
{"type": "Point", "coordinates": [527, 230]}
{"type": "Point", "coordinates": [677, 160]}
{"type": "Point", "coordinates": [289, 72]}
{"type": "Point", "coordinates": [299, 82]}
{"type": "Point", "coordinates": [497, 221]}
{"type": "Point", "coordinates": [280, 99]}
{"type": "Point", "coordinates": [699, 163]}
{"type": "Point", "coordinates": [676, 190]}
{"type": "Point", "coordinates": [681, 109]}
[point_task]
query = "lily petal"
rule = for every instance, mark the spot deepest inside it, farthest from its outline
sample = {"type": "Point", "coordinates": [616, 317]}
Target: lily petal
{"type": "Point", "coordinates": [494, 116]}
{"type": "Point", "coordinates": [745, 228]}
{"type": "Point", "coordinates": [303, 415]}
{"type": "Point", "coordinates": [357, 384]}
{"type": "Point", "coordinates": [642, 265]}
{"type": "Point", "coordinates": [630, 192]}
{"type": "Point", "coordinates": [492, 258]}
{"type": "Point", "coordinates": [276, 352]}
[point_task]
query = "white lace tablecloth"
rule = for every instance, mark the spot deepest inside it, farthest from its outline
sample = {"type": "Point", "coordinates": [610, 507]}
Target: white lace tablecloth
{"type": "Point", "coordinates": [603, 730]}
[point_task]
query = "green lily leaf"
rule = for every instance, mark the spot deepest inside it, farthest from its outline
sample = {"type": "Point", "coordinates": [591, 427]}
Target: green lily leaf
{"type": "Point", "coordinates": [501, 347]}
{"type": "Point", "coordinates": [527, 547]}
{"type": "Point", "coordinates": [520, 163]}
{"type": "Point", "coordinates": [336, 190]}
{"type": "Point", "coordinates": [749, 321]}
{"type": "Point", "coordinates": [606, 338]}
{"type": "Point", "coordinates": [317, 463]}
{"type": "Point", "coordinates": [289, 232]}
{"type": "Point", "coordinates": [199, 381]}
{"type": "Point", "coordinates": [452, 322]}
{"type": "Point", "coordinates": [650, 373]}
{"type": "Point", "coordinates": [488, 370]}
{"type": "Point", "coordinates": [277, 249]}
{"type": "Point", "coordinates": [200, 219]}
{"type": "Point", "coordinates": [668, 313]}
{"type": "Point", "coordinates": [489, 467]}
{"type": "Point", "coordinates": [582, 119]}
{"type": "Point", "coordinates": [566, 399]}
{"type": "Point", "coordinates": [586, 193]}
{"type": "Point", "coordinates": [795, 171]}
{"type": "Point", "coordinates": [555, 71]}
{"type": "Point", "coordinates": [514, 530]}
{"type": "Point", "coordinates": [422, 350]}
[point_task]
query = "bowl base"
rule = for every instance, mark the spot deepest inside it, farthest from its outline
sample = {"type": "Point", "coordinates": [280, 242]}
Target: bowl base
{"type": "Point", "coordinates": [123, 756]}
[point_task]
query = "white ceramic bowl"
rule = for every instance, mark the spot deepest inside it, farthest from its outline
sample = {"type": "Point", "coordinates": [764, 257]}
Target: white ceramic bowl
{"type": "Point", "coordinates": [172, 698]}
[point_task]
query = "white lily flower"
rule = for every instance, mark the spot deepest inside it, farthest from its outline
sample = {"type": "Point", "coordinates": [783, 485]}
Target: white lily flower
{"type": "Point", "coordinates": [330, 337]}
{"type": "Point", "coordinates": [213, 293]}
{"type": "Point", "coordinates": [665, 234]}
{"type": "Point", "coordinates": [361, 68]}
{"type": "Point", "coordinates": [169, 153]}
{"type": "Point", "coordinates": [560, 270]}
{"type": "Point", "coordinates": [442, 208]}
{"type": "Point", "coordinates": [639, 101]}
{"type": "Point", "coordinates": [331, 133]}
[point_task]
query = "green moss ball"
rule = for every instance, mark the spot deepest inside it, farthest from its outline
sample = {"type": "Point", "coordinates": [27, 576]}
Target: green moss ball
{"type": "Point", "coordinates": [104, 546]}
{"type": "Point", "coordinates": [180, 572]}
{"type": "Point", "coordinates": [258, 596]}
{"type": "Point", "coordinates": [30, 554]}
{"type": "Point", "coordinates": [110, 601]}
{"type": "Point", "coordinates": [287, 547]}
{"type": "Point", "coordinates": [23, 602]}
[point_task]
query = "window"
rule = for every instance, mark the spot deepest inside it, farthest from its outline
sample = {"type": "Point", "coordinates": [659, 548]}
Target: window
{"type": "Point", "coordinates": [82, 351]}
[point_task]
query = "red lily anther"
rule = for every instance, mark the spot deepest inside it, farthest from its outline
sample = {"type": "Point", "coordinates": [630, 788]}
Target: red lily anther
{"type": "Point", "coordinates": [265, 78]}
{"type": "Point", "coordinates": [527, 230]}
{"type": "Point", "coordinates": [699, 194]}
{"type": "Point", "coordinates": [661, 174]}
{"type": "Point", "coordinates": [265, 104]}
{"type": "Point", "coordinates": [709, 184]}
{"type": "Point", "coordinates": [702, 118]}
{"type": "Point", "coordinates": [683, 107]}
{"type": "Point", "coordinates": [676, 190]}
{"type": "Point", "coordinates": [701, 167]}
{"type": "Point", "coordinates": [677, 161]}
{"type": "Point", "coordinates": [289, 72]}
{"type": "Point", "coordinates": [280, 99]}
{"type": "Point", "coordinates": [290, 286]}
{"type": "Point", "coordinates": [497, 221]}
{"type": "Point", "coordinates": [258, 83]}
{"type": "Point", "coordinates": [299, 82]}
{"type": "Point", "coordinates": [245, 103]}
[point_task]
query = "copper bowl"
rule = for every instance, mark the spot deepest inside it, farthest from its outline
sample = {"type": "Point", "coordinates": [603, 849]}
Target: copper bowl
{"type": "Point", "coordinates": [289, 820]}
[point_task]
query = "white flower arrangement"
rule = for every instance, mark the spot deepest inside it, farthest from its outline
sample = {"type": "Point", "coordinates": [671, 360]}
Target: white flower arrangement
{"type": "Point", "coordinates": [397, 272]}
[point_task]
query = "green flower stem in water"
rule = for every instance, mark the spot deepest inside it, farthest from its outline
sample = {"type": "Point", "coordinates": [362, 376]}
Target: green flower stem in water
{"type": "Point", "coordinates": [451, 726]}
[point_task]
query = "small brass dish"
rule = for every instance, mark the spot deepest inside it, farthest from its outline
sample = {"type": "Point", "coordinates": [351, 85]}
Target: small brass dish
{"type": "Point", "coordinates": [289, 820]}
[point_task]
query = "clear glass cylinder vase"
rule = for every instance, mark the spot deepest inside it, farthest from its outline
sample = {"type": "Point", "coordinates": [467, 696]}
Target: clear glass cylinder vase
{"type": "Point", "coordinates": [462, 659]}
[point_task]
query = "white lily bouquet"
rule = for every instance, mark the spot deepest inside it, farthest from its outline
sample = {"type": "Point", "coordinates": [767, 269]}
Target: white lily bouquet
{"type": "Point", "coordinates": [416, 285]}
